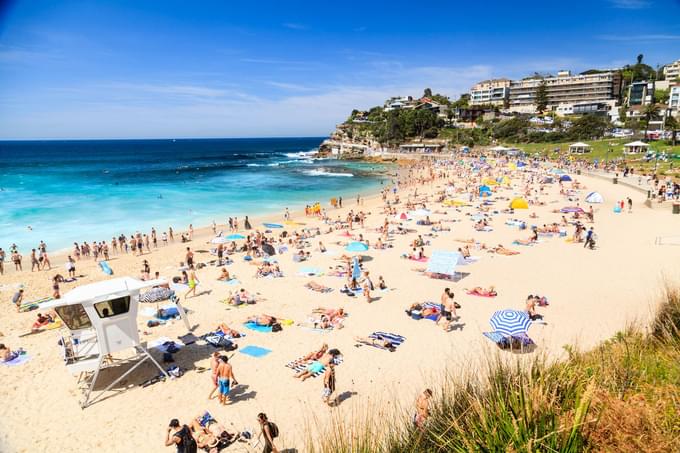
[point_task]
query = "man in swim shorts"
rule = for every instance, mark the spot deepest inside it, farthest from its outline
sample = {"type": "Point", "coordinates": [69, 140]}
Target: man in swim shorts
{"type": "Point", "coordinates": [225, 377]}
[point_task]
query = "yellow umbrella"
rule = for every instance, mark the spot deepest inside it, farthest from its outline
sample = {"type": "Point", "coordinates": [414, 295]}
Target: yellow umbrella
{"type": "Point", "coordinates": [519, 203]}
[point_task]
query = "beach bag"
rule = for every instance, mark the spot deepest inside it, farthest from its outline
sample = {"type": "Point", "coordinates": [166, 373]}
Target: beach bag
{"type": "Point", "coordinates": [276, 327]}
{"type": "Point", "coordinates": [273, 430]}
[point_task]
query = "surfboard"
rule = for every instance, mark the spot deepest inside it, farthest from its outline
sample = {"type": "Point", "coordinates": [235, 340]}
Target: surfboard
{"type": "Point", "coordinates": [105, 268]}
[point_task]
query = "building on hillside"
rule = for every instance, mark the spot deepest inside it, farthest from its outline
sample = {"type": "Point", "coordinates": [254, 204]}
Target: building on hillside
{"type": "Point", "coordinates": [564, 89]}
{"type": "Point", "coordinates": [472, 113]}
{"type": "Point", "coordinates": [640, 93]}
{"type": "Point", "coordinates": [398, 103]}
{"type": "Point", "coordinates": [672, 71]}
{"type": "Point", "coordinates": [674, 100]}
{"type": "Point", "coordinates": [426, 148]}
{"type": "Point", "coordinates": [490, 92]}
{"type": "Point", "coordinates": [428, 104]}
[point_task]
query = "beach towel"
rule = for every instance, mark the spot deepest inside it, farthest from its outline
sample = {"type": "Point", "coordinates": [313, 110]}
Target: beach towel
{"type": "Point", "coordinates": [395, 339]}
{"type": "Point", "coordinates": [299, 366]}
{"type": "Point", "coordinates": [257, 328]}
{"type": "Point", "coordinates": [324, 289]}
{"type": "Point", "coordinates": [420, 260]}
{"type": "Point", "coordinates": [165, 344]}
{"type": "Point", "coordinates": [33, 304]}
{"type": "Point", "coordinates": [18, 360]}
{"type": "Point", "coordinates": [310, 271]}
{"type": "Point", "coordinates": [501, 340]}
{"type": "Point", "coordinates": [231, 281]}
{"type": "Point", "coordinates": [255, 351]}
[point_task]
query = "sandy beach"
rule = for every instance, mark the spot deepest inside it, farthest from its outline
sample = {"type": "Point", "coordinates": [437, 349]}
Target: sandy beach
{"type": "Point", "coordinates": [592, 294]}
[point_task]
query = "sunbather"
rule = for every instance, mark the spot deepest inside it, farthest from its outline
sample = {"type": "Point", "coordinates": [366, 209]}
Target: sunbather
{"type": "Point", "coordinates": [500, 250]}
{"type": "Point", "coordinates": [228, 331]}
{"type": "Point", "coordinates": [314, 355]}
{"type": "Point", "coordinates": [6, 354]}
{"type": "Point", "coordinates": [424, 311]}
{"type": "Point", "coordinates": [314, 286]}
{"type": "Point", "coordinates": [262, 320]}
{"type": "Point", "coordinates": [317, 366]}
{"type": "Point", "coordinates": [224, 275]}
{"type": "Point", "coordinates": [531, 308]}
{"type": "Point", "coordinates": [378, 342]}
{"type": "Point", "coordinates": [479, 291]}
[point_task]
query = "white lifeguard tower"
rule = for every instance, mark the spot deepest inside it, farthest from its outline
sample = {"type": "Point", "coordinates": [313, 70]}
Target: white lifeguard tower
{"type": "Point", "coordinates": [101, 319]}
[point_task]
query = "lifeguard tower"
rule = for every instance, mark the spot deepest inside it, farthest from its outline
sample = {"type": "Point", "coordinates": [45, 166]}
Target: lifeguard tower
{"type": "Point", "coordinates": [101, 319]}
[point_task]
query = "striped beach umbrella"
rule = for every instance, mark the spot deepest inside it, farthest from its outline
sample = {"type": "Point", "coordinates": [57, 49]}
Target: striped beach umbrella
{"type": "Point", "coordinates": [510, 322]}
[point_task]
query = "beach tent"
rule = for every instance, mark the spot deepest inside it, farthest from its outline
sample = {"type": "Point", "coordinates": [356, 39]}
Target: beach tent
{"type": "Point", "coordinates": [356, 247]}
{"type": "Point", "coordinates": [521, 164]}
{"type": "Point", "coordinates": [594, 197]}
{"type": "Point", "coordinates": [636, 147]}
{"type": "Point", "coordinates": [402, 216]}
{"type": "Point", "coordinates": [579, 148]}
{"type": "Point", "coordinates": [510, 322]}
{"type": "Point", "coordinates": [519, 203]}
{"type": "Point", "coordinates": [565, 178]}
{"type": "Point", "coordinates": [484, 191]}
{"type": "Point", "coordinates": [444, 263]}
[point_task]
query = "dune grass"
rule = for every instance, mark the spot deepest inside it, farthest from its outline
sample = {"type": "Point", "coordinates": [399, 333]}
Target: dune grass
{"type": "Point", "coordinates": [623, 396]}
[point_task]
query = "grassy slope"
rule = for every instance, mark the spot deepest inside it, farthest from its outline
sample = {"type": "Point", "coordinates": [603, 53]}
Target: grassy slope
{"type": "Point", "coordinates": [624, 396]}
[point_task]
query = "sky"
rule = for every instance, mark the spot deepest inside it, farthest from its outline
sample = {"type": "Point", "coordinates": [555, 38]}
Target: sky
{"type": "Point", "coordinates": [179, 69]}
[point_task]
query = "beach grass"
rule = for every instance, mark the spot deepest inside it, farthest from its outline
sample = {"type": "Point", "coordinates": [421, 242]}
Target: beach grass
{"type": "Point", "coordinates": [622, 396]}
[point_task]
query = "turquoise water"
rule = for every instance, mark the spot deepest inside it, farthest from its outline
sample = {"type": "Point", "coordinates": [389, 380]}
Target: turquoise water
{"type": "Point", "coordinates": [73, 191]}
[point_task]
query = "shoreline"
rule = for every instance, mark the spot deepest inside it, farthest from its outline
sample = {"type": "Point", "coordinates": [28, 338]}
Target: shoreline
{"type": "Point", "coordinates": [58, 256]}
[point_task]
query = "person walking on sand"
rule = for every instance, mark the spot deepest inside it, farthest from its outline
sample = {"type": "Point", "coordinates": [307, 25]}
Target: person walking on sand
{"type": "Point", "coordinates": [225, 379]}
{"type": "Point", "coordinates": [214, 364]}
{"type": "Point", "coordinates": [189, 257]}
{"type": "Point", "coordinates": [193, 283]}
{"type": "Point", "coordinates": [34, 261]}
{"type": "Point", "coordinates": [170, 233]}
{"type": "Point", "coordinates": [422, 409]}
{"type": "Point", "coordinates": [191, 232]}
{"type": "Point", "coordinates": [329, 385]}
{"type": "Point", "coordinates": [2, 261]}
{"type": "Point", "coordinates": [286, 215]}
{"type": "Point", "coordinates": [630, 205]}
{"type": "Point", "coordinates": [246, 224]}
{"type": "Point", "coordinates": [269, 431]}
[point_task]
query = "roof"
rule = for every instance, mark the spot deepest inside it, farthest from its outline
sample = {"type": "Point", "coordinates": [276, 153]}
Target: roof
{"type": "Point", "coordinates": [579, 144]}
{"type": "Point", "coordinates": [101, 291]}
{"type": "Point", "coordinates": [636, 143]}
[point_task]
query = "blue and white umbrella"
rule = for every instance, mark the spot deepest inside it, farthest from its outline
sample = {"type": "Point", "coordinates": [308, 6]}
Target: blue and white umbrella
{"type": "Point", "coordinates": [356, 270]}
{"type": "Point", "coordinates": [356, 247]}
{"type": "Point", "coordinates": [510, 322]}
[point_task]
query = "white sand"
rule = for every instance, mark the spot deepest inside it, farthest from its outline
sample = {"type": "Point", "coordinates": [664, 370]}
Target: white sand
{"type": "Point", "coordinates": [592, 294]}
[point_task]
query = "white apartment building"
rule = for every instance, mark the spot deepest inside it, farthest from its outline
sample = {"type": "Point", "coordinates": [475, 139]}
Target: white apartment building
{"type": "Point", "coordinates": [672, 71]}
{"type": "Point", "coordinates": [674, 100]}
{"type": "Point", "coordinates": [490, 92]}
{"type": "Point", "coordinates": [565, 89]}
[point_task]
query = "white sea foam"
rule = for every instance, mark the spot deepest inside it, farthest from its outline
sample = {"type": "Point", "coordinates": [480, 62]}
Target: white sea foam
{"type": "Point", "coordinates": [322, 172]}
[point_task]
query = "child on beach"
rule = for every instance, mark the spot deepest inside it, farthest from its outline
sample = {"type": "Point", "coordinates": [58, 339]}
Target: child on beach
{"type": "Point", "coordinates": [329, 384]}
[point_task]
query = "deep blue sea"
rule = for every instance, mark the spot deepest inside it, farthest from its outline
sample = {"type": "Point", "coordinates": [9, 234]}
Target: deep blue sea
{"type": "Point", "coordinates": [68, 191]}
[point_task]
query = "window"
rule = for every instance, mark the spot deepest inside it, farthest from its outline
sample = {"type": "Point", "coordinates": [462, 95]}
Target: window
{"type": "Point", "coordinates": [113, 307]}
{"type": "Point", "coordinates": [74, 316]}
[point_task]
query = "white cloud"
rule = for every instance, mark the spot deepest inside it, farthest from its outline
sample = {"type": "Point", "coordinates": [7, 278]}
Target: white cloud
{"type": "Point", "coordinates": [294, 26]}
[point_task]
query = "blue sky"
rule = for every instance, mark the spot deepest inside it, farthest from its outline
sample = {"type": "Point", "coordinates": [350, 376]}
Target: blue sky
{"type": "Point", "coordinates": [134, 69]}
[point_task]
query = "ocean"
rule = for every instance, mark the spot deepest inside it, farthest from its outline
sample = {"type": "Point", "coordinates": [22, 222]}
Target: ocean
{"type": "Point", "coordinates": [62, 192]}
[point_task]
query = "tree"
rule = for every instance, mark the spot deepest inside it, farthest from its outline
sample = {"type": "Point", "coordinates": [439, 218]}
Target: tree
{"type": "Point", "coordinates": [661, 96]}
{"type": "Point", "coordinates": [588, 127]}
{"type": "Point", "coordinates": [427, 93]}
{"type": "Point", "coordinates": [672, 125]}
{"type": "Point", "coordinates": [651, 112]}
{"type": "Point", "coordinates": [463, 101]}
{"type": "Point", "coordinates": [542, 97]}
{"type": "Point", "coordinates": [639, 58]}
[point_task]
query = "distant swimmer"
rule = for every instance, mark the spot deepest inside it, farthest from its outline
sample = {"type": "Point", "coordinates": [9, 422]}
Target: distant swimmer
{"type": "Point", "coordinates": [30, 228]}
{"type": "Point", "coordinates": [160, 196]}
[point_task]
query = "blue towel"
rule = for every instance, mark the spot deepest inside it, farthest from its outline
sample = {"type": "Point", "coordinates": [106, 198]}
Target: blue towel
{"type": "Point", "coordinates": [255, 351]}
{"type": "Point", "coordinates": [19, 360]}
{"type": "Point", "coordinates": [233, 282]}
{"type": "Point", "coordinates": [255, 327]}
{"type": "Point", "coordinates": [395, 339]}
{"type": "Point", "coordinates": [497, 338]}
